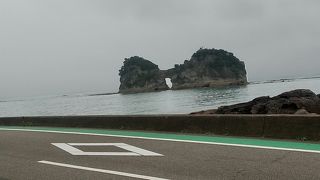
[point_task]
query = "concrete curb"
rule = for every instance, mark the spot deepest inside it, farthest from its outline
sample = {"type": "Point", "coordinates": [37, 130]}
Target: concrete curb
{"type": "Point", "coordinates": [302, 127]}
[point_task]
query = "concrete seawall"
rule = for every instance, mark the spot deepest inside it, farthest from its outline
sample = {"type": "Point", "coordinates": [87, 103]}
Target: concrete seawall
{"type": "Point", "coordinates": [301, 127]}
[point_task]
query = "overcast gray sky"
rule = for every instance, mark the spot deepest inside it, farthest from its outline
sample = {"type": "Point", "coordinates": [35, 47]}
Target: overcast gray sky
{"type": "Point", "coordinates": [68, 46]}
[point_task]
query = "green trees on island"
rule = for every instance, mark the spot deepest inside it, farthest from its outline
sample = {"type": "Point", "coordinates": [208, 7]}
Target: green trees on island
{"type": "Point", "coordinates": [138, 73]}
{"type": "Point", "coordinates": [136, 61]}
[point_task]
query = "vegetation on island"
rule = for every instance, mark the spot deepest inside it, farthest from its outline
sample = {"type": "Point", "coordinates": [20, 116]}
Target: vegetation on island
{"type": "Point", "coordinates": [210, 63]}
{"type": "Point", "coordinates": [137, 73]}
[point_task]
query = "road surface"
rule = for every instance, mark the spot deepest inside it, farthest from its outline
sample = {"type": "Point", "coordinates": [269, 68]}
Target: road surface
{"type": "Point", "coordinates": [50, 155]}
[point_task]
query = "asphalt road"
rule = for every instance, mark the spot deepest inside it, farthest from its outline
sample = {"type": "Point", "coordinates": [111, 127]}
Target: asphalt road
{"type": "Point", "coordinates": [31, 155]}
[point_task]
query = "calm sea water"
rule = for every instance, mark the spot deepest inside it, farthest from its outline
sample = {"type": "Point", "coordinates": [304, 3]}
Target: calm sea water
{"type": "Point", "coordinates": [166, 102]}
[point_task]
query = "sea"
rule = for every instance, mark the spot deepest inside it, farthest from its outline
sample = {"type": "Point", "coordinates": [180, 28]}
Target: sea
{"type": "Point", "coordinates": [164, 102]}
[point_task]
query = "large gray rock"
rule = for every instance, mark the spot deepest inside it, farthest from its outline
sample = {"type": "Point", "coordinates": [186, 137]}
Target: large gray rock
{"type": "Point", "coordinates": [140, 75]}
{"type": "Point", "coordinates": [286, 103]}
{"type": "Point", "coordinates": [206, 68]}
{"type": "Point", "coordinates": [297, 93]}
{"type": "Point", "coordinates": [209, 68]}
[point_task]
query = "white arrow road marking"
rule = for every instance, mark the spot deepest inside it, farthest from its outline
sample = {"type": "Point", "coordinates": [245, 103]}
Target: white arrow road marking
{"type": "Point", "coordinates": [101, 170]}
{"type": "Point", "coordinates": [132, 150]}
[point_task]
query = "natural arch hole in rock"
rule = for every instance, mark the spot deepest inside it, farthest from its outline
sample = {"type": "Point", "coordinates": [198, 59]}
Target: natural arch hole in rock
{"type": "Point", "coordinates": [168, 82]}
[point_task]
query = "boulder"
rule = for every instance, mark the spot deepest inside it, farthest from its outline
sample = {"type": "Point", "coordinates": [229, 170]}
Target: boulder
{"type": "Point", "coordinates": [297, 93]}
{"type": "Point", "coordinates": [300, 101]}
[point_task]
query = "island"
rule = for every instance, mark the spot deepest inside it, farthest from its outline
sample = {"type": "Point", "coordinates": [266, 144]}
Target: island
{"type": "Point", "coordinates": [206, 68]}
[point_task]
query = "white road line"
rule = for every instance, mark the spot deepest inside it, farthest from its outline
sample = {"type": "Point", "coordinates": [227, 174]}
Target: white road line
{"type": "Point", "coordinates": [96, 144]}
{"type": "Point", "coordinates": [133, 151]}
{"type": "Point", "coordinates": [172, 140]}
{"type": "Point", "coordinates": [77, 152]}
{"type": "Point", "coordinates": [70, 149]}
{"type": "Point", "coordinates": [101, 170]}
{"type": "Point", "coordinates": [140, 151]}
{"type": "Point", "coordinates": [127, 147]}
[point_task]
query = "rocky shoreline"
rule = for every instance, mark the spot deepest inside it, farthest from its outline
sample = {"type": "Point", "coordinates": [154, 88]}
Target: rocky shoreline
{"type": "Point", "coordinates": [300, 101]}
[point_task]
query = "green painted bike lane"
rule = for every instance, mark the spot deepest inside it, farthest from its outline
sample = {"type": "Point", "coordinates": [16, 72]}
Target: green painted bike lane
{"type": "Point", "coordinates": [231, 141]}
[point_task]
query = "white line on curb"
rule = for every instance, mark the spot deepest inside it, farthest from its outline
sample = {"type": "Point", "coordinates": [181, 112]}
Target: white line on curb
{"type": "Point", "coordinates": [101, 170]}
